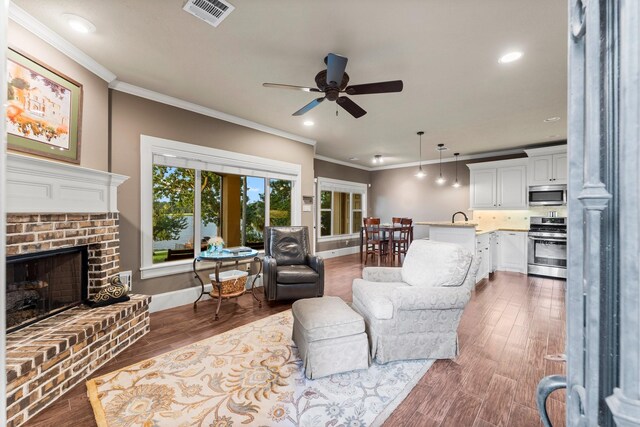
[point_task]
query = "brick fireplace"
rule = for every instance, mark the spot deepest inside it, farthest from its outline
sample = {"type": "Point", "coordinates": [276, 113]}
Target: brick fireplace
{"type": "Point", "coordinates": [28, 233]}
{"type": "Point", "coordinates": [53, 206]}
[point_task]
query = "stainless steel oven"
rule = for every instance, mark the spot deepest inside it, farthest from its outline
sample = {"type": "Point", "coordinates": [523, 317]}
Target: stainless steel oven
{"type": "Point", "coordinates": [547, 251]}
{"type": "Point", "coordinates": [547, 195]}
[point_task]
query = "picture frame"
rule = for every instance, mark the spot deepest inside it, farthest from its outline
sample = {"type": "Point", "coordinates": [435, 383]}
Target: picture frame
{"type": "Point", "coordinates": [44, 109]}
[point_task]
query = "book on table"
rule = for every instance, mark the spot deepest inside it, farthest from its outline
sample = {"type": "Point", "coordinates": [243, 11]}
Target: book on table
{"type": "Point", "coordinates": [237, 250]}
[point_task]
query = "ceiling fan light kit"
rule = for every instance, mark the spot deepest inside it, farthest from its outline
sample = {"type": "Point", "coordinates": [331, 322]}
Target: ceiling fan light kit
{"type": "Point", "coordinates": [334, 81]}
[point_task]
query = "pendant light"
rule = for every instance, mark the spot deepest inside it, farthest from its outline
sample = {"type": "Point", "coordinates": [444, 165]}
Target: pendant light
{"type": "Point", "coordinates": [441, 180]}
{"type": "Point", "coordinates": [420, 173]}
{"type": "Point", "coordinates": [456, 184]}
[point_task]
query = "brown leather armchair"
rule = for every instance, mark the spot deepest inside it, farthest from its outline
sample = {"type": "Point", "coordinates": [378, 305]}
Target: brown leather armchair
{"type": "Point", "coordinates": [290, 271]}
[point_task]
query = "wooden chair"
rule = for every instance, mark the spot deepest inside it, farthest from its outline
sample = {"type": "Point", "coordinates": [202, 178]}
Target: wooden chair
{"type": "Point", "coordinates": [375, 244]}
{"type": "Point", "coordinates": [402, 239]}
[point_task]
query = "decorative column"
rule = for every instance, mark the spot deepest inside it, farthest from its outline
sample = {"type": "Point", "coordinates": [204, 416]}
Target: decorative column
{"type": "Point", "coordinates": [625, 401]}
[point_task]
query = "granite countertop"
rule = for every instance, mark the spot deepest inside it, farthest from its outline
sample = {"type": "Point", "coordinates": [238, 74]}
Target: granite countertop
{"type": "Point", "coordinates": [448, 223]}
{"type": "Point", "coordinates": [491, 230]}
{"type": "Point", "coordinates": [469, 224]}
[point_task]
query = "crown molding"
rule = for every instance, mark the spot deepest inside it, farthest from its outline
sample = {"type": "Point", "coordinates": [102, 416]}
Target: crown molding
{"type": "Point", "coordinates": [205, 111]}
{"type": "Point", "coordinates": [341, 162]}
{"type": "Point", "coordinates": [452, 159]}
{"type": "Point", "coordinates": [30, 23]}
{"type": "Point", "coordinates": [22, 18]}
{"type": "Point", "coordinates": [424, 162]}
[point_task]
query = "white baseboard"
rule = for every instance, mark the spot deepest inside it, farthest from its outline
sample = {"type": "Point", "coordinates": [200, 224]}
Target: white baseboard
{"type": "Point", "coordinates": [339, 252]}
{"type": "Point", "coordinates": [173, 299]}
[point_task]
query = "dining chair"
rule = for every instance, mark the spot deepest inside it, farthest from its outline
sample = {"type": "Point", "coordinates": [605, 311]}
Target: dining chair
{"type": "Point", "coordinates": [402, 239]}
{"type": "Point", "coordinates": [375, 243]}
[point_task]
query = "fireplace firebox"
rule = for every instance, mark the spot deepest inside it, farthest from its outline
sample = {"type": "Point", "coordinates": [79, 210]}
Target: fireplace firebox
{"type": "Point", "coordinates": [44, 283]}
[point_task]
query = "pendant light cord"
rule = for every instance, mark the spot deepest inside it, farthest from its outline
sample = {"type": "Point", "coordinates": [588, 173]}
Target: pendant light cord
{"type": "Point", "coordinates": [420, 151]}
{"type": "Point", "coordinates": [456, 167]}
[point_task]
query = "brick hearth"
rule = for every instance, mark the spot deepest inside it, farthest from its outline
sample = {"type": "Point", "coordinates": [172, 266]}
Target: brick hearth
{"type": "Point", "coordinates": [28, 233]}
{"type": "Point", "coordinates": [47, 358]}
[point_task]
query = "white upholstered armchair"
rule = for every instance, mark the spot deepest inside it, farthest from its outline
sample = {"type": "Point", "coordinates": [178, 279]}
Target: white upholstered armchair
{"type": "Point", "coordinates": [413, 311]}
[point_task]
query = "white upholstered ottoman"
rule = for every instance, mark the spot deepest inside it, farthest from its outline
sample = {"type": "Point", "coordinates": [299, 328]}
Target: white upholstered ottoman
{"type": "Point", "coordinates": [330, 336]}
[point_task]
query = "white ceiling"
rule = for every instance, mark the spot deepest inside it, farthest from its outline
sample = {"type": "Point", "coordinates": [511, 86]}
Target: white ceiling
{"type": "Point", "coordinates": [446, 53]}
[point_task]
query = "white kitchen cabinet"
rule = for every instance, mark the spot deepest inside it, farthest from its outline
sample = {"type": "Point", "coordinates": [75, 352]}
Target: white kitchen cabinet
{"type": "Point", "coordinates": [512, 187]}
{"type": "Point", "coordinates": [560, 168]}
{"type": "Point", "coordinates": [512, 251]}
{"type": "Point", "coordinates": [494, 251]}
{"type": "Point", "coordinates": [483, 251]}
{"type": "Point", "coordinates": [547, 166]}
{"type": "Point", "coordinates": [484, 182]}
{"type": "Point", "coordinates": [499, 185]}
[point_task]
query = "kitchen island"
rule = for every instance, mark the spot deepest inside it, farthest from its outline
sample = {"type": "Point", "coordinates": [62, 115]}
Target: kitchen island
{"type": "Point", "coordinates": [498, 248]}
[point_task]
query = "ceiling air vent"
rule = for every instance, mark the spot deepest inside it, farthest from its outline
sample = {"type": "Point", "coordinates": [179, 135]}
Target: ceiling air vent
{"type": "Point", "coordinates": [212, 12]}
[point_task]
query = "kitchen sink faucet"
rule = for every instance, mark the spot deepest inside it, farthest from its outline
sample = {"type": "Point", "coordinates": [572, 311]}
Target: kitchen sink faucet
{"type": "Point", "coordinates": [453, 217]}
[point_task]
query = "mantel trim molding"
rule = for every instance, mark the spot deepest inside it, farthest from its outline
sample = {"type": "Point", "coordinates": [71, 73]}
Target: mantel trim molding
{"type": "Point", "coordinates": [41, 186]}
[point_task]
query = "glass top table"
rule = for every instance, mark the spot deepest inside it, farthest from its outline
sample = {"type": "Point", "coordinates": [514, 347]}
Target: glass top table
{"type": "Point", "coordinates": [225, 258]}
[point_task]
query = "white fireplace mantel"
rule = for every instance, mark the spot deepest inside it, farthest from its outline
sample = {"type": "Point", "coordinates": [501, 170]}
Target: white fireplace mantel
{"type": "Point", "coordinates": [41, 186]}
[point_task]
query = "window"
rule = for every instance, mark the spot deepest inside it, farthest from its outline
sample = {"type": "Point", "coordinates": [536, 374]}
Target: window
{"type": "Point", "coordinates": [197, 192]}
{"type": "Point", "coordinates": [280, 202]}
{"type": "Point", "coordinates": [253, 211]}
{"type": "Point", "coordinates": [173, 209]}
{"type": "Point", "coordinates": [341, 208]}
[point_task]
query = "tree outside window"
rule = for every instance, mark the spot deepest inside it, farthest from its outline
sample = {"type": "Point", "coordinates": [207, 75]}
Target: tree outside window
{"type": "Point", "coordinates": [173, 210]}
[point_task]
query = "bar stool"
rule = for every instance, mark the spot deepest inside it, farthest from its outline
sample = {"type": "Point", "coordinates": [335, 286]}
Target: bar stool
{"type": "Point", "coordinates": [375, 243]}
{"type": "Point", "coordinates": [403, 240]}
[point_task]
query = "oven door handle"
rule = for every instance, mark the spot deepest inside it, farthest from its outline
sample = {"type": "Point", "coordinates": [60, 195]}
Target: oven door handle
{"type": "Point", "coordinates": [547, 239]}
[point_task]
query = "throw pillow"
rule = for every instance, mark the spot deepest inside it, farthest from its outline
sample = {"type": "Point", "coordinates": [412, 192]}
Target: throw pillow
{"type": "Point", "coordinates": [114, 293]}
{"type": "Point", "coordinates": [434, 264]}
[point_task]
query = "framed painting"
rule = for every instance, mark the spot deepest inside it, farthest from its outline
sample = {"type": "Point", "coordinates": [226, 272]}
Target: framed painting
{"type": "Point", "coordinates": [44, 109]}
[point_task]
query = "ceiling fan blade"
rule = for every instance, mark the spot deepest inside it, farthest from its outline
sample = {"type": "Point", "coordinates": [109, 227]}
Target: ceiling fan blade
{"type": "Point", "coordinates": [308, 107]}
{"type": "Point", "coordinates": [292, 87]}
{"type": "Point", "coordinates": [336, 65]}
{"type": "Point", "coordinates": [380, 87]}
{"type": "Point", "coordinates": [352, 108]}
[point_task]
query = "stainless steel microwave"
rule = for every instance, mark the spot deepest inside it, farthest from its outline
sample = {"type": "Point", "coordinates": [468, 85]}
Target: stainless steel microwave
{"type": "Point", "coordinates": [547, 195]}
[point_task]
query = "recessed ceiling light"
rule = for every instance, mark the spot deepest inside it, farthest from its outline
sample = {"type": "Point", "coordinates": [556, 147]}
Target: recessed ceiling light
{"type": "Point", "coordinates": [551, 119]}
{"type": "Point", "coordinates": [510, 57]}
{"type": "Point", "coordinates": [308, 123]}
{"type": "Point", "coordinates": [79, 24]}
{"type": "Point", "coordinates": [353, 159]}
{"type": "Point", "coordinates": [378, 158]}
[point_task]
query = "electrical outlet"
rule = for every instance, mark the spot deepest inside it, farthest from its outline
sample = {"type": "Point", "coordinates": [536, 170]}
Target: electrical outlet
{"type": "Point", "coordinates": [125, 278]}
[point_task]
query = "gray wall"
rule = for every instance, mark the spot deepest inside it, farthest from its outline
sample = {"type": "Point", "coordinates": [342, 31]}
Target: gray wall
{"type": "Point", "coordinates": [398, 193]}
{"type": "Point", "coordinates": [132, 116]}
{"type": "Point", "coordinates": [94, 145]}
{"type": "Point", "coordinates": [335, 171]}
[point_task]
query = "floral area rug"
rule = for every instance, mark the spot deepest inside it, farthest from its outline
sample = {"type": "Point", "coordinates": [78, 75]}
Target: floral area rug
{"type": "Point", "coordinates": [250, 376]}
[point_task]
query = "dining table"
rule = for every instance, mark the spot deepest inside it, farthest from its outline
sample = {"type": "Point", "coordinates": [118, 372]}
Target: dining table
{"type": "Point", "coordinates": [386, 229]}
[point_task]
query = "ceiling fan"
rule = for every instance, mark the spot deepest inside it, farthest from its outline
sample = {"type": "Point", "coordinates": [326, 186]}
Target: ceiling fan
{"type": "Point", "coordinates": [333, 81]}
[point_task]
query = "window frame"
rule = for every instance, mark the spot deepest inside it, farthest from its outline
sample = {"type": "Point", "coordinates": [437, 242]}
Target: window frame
{"type": "Point", "coordinates": [167, 152]}
{"type": "Point", "coordinates": [337, 185]}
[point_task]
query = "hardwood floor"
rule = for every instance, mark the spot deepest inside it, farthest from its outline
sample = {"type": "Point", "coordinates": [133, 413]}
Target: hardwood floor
{"type": "Point", "coordinates": [512, 322]}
